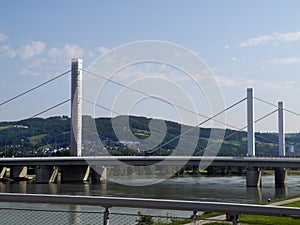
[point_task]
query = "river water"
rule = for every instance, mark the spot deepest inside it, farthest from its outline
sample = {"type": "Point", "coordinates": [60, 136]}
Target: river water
{"type": "Point", "coordinates": [203, 188]}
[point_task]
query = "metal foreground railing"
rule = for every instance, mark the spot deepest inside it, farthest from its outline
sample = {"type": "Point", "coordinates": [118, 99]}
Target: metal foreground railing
{"type": "Point", "coordinates": [47, 209]}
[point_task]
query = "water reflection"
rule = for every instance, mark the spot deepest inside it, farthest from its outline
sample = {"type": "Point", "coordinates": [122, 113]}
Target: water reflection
{"type": "Point", "coordinates": [282, 192]}
{"type": "Point", "coordinates": [229, 189]}
{"type": "Point", "coordinates": [254, 193]}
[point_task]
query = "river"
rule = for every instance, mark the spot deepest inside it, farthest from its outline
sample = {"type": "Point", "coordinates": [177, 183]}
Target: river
{"type": "Point", "coordinates": [204, 188]}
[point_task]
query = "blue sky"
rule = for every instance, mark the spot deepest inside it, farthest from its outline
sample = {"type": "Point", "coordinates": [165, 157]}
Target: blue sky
{"type": "Point", "coordinates": [244, 43]}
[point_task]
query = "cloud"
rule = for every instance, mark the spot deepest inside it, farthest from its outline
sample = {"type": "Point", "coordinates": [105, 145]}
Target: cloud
{"type": "Point", "coordinates": [3, 37]}
{"type": "Point", "coordinates": [226, 82]}
{"type": "Point", "coordinates": [29, 72]}
{"type": "Point", "coordinates": [287, 37]}
{"type": "Point", "coordinates": [256, 41]}
{"type": "Point", "coordinates": [38, 62]}
{"type": "Point", "coordinates": [55, 52]}
{"type": "Point", "coordinates": [143, 70]}
{"type": "Point", "coordinates": [69, 51]}
{"type": "Point", "coordinates": [136, 73]}
{"type": "Point", "coordinates": [72, 51]}
{"type": "Point", "coordinates": [103, 50]}
{"type": "Point", "coordinates": [292, 36]}
{"type": "Point", "coordinates": [226, 47]}
{"type": "Point", "coordinates": [32, 49]}
{"type": "Point", "coordinates": [245, 82]}
{"type": "Point", "coordinates": [7, 51]}
{"type": "Point", "coordinates": [285, 61]}
{"type": "Point", "coordinates": [49, 58]}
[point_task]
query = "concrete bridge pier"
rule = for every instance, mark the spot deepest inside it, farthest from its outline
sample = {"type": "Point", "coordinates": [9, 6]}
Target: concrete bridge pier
{"type": "Point", "coordinates": [74, 173]}
{"type": "Point", "coordinates": [18, 172]}
{"type": "Point", "coordinates": [281, 173]}
{"type": "Point", "coordinates": [46, 174]}
{"type": "Point", "coordinates": [253, 177]}
{"type": "Point", "coordinates": [280, 177]}
{"type": "Point", "coordinates": [99, 174]}
{"type": "Point", "coordinates": [3, 172]}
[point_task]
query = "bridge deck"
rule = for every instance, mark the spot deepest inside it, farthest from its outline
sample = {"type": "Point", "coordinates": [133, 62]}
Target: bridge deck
{"type": "Point", "coordinates": [263, 162]}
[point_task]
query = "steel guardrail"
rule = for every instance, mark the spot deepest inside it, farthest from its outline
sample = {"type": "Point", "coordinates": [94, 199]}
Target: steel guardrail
{"type": "Point", "coordinates": [107, 202]}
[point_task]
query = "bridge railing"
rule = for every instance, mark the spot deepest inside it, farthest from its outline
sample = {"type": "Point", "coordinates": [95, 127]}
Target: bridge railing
{"type": "Point", "coordinates": [45, 208]}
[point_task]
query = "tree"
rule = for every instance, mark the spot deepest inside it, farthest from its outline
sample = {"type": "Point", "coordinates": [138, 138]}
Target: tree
{"type": "Point", "coordinates": [144, 219]}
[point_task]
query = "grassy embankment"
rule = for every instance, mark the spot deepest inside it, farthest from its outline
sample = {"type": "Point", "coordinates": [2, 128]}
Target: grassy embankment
{"type": "Point", "coordinates": [263, 220]}
{"type": "Point", "coordinates": [251, 219]}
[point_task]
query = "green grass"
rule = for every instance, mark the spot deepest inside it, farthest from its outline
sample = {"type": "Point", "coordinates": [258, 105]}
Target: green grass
{"type": "Point", "coordinates": [263, 220]}
{"type": "Point", "coordinates": [6, 127]}
{"type": "Point", "coordinates": [210, 214]}
{"type": "Point", "coordinates": [293, 172]}
{"type": "Point", "coordinates": [293, 204]}
{"type": "Point", "coordinates": [177, 222]}
{"type": "Point", "coordinates": [36, 139]}
{"type": "Point", "coordinates": [216, 223]}
{"type": "Point", "coordinates": [250, 219]}
{"type": "Point", "coordinates": [259, 220]}
{"type": "Point", "coordinates": [280, 199]}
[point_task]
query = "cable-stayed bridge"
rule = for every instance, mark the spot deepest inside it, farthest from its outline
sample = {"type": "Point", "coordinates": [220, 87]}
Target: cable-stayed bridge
{"type": "Point", "coordinates": [77, 167]}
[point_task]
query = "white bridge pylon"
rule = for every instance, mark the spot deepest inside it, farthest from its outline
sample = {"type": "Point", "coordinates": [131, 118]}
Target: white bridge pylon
{"type": "Point", "coordinates": [251, 125]}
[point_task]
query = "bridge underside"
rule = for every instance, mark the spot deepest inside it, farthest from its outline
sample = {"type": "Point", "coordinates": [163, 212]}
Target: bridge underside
{"type": "Point", "coordinates": [78, 168]}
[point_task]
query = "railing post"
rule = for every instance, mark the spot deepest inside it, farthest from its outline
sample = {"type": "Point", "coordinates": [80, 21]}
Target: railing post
{"type": "Point", "coordinates": [235, 219]}
{"type": "Point", "coordinates": [106, 216]}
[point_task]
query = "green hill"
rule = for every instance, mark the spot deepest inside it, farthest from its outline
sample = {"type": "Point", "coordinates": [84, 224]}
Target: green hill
{"type": "Point", "coordinates": [45, 137]}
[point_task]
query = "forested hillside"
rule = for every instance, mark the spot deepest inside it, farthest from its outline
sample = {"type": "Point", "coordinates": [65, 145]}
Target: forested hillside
{"type": "Point", "coordinates": [51, 136]}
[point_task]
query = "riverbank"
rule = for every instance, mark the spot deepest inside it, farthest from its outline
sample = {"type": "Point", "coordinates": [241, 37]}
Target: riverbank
{"type": "Point", "coordinates": [231, 171]}
{"type": "Point", "coordinates": [293, 201]}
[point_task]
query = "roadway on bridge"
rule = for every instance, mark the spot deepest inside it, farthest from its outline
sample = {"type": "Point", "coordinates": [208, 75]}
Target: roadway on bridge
{"type": "Point", "coordinates": [262, 162]}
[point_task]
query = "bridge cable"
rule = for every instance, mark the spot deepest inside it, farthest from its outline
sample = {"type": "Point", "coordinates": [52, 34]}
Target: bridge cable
{"type": "Point", "coordinates": [241, 129]}
{"type": "Point", "coordinates": [256, 121]}
{"type": "Point", "coordinates": [174, 136]}
{"type": "Point", "coordinates": [292, 112]}
{"type": "Point", "coordinates": [201, 123]}
{"type": "Point", "coordinates": [109, 110]}
{"type": "Point", "coordinates": [265, 116]}
{"type": "Point", "coordinates": [156, 98]}
{"type": "Point", "coordinates": [198, 125]}
{"type": "Point", "coordinates": [208, 118]}
{"type": "Point", "coordinates": [264, 101]}
{"type": "Point", "coordinates": [46, 110]}
{"type": "Point", "coordinates": [36, 87]}
{"type": "Point", "coordinates": [269, 103]}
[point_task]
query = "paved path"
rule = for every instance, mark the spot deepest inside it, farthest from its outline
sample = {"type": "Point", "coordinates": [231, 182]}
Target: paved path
{"type": "Point", "coordinates": [222, 218]}
{"type": "Point", "coordinates": [285, 201]}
